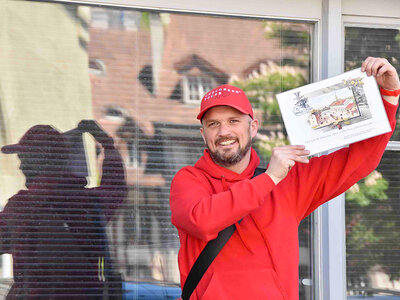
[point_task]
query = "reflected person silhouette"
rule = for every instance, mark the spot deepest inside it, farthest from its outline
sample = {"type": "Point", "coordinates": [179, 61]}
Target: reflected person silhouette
{"type": "Point", "coordinates": [55, 229]}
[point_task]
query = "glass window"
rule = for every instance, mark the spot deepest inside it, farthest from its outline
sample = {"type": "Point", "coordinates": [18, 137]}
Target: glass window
{"type": "Point", "coordinates": [372, 205]}
{"type": "Point", "coordinates": [103, 205]}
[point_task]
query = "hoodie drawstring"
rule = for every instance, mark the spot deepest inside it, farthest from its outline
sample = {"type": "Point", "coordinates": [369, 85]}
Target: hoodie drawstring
{"type": "Point", "coordinates": [224, 185]}
{"type": "Point", "coordinates": [238, 228]}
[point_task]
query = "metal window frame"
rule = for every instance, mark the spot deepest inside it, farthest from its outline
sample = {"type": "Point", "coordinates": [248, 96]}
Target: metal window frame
{"type": "Point", "coordinates": [329, 220]}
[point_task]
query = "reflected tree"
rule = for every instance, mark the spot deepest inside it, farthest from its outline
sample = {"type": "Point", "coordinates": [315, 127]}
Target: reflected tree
{"type": "Point", "coordinates": [370, 230]}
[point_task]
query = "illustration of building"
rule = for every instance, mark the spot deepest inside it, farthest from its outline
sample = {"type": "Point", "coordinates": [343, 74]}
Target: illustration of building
{"type": "Point", "coordinates": [338, 111]}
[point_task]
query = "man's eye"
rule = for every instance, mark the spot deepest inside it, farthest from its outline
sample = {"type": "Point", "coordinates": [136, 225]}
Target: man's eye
{"type": "Point", "coordinates": [234, 121]}
{"type": "Point", "coordinates": [212, 124]}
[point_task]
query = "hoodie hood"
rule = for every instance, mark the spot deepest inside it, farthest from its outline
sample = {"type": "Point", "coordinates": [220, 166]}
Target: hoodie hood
{"type": "Point", "coordinates": [207, 164]}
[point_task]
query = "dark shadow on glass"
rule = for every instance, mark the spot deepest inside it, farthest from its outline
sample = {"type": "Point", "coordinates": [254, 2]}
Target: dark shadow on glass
{"type": "Point", "coordinates": [55, 229]}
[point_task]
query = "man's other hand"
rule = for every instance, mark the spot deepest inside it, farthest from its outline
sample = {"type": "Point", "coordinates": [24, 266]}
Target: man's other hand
{"type": "Point", "coordinates": [385, 74]}
{"type": "Point", "coordinates": [96, 131]}
{"type": "Point", "coordinates": [283, 159]}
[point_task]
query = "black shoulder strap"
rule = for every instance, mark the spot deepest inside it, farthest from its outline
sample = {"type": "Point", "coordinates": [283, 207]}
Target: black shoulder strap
{"type": "Point", "coordinates": [208, 254]}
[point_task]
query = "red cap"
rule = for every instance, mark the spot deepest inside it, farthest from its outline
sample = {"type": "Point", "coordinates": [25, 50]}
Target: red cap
{"type": "Point", "coordinates": [226, 95]}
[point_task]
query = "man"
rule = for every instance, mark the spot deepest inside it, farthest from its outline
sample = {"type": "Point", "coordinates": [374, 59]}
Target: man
{"type": "Point", "coordinates": [55, 228]}
{"type": "Point", "coordinates": [260, 260]}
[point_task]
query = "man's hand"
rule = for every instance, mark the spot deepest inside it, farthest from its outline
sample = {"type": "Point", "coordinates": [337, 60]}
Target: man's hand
{"type": "Point", "coordinates": [385, 74]}
{"type": "Point", "coordinates": [283, 159]}
{"type": "Point", "coordinates": [96, 131]}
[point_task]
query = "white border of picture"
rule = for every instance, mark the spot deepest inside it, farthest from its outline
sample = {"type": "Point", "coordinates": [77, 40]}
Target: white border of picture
{"type": "Point", "coordinates": [334, 112]}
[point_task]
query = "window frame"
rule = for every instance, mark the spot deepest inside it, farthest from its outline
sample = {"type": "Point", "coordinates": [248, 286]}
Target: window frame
{"type": "Point", "coordinates": [187, 94]}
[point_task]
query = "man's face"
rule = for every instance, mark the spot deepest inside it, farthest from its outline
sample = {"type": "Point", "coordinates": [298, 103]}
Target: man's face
{"type": "Point", "coordinates": [228, 134]}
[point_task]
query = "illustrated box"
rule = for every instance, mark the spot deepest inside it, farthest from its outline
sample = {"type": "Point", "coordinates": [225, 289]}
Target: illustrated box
{"type": "Point", "coordinates": [334, 112]}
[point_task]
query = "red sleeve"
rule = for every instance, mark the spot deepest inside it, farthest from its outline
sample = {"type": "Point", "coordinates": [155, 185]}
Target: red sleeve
{"type": "Point", "coordinates": [326, 177]}
{"type": "Point", "coordinates": [200, 213]}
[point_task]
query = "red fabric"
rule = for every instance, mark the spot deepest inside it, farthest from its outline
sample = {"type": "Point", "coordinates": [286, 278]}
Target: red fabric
{"type": "Point", "coordinates": [260, 261]}
{"type": "Point", "coordinates": [226, 95]}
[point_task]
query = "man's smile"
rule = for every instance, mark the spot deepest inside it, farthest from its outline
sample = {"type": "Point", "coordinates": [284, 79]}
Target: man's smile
{"type": "Point", "coordinates": [227, 142]}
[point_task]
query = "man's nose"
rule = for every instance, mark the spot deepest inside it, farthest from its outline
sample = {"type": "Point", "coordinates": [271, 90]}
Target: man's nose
{"type": "Point", "coordinates": [224, 129]}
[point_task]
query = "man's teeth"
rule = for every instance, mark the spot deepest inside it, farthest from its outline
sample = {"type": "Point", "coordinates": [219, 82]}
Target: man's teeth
{"type": "Point", "coordinates": [227, 142]}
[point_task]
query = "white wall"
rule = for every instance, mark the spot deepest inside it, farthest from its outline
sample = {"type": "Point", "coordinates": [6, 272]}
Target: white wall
{"type": "Point", "coordinates": [381, 8]}
{"type": "Point", "coordinates": [306, 9]}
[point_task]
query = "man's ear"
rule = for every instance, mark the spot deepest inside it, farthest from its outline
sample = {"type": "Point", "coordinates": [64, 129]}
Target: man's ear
{"type": "Point", "coordinates": [253, 128]}
{"type": "Point", "coordinates": [202, 135]}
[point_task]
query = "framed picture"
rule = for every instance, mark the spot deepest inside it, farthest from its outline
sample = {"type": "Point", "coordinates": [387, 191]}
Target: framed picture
{"type": "Point", "coordinates": [334, 112]}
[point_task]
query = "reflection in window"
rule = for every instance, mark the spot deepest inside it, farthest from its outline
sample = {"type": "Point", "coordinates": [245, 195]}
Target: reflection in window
{"type": "Point", "coordinates": [97, 67]}
{"type": "Point", "coordinates": [372, 205]}
{"type": "Point", "coordinates": [115, 113]}
{"type": "Point", "coordinates": [151, 66]}
{"type": "Point", "coordinates": [198, 77]}
{"type": "Point", "coordinates": [146, 78]}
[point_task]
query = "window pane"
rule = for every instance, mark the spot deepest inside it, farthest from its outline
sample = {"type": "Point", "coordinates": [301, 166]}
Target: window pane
{"type": "Point", "coordinates": [133, 72]}
{"type": "Point", "coordinates": [372, 205]}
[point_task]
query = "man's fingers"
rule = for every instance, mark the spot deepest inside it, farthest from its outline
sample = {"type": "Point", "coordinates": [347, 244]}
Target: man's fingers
{"type": "Point", "coordinates": [385, 74]}
{"type": "Point", "coordinates": [365, 64]}
{"type": "Point", "coordinates": [377, 65]}
{"type": "Point", "coordinates": [298, 149]}
{"type": "Point", "coordinates": [302, 152]}
{"type": "Point", "coordinates": [299, 158]}
{"type": "Point", "coordinates": [386, 69]}
{"type": "Point", "coordinates": [370, 64]}
{"type": "Point", "coordinates": [302, 159]}
{"type": "Point", "coordinates": [291, 149]}
{"type": "Point", "coordinates": [284, 158]}
{"type": "Point", "coordinates": [382, 70]}
{"type": "Point", "coordinates": [289, 158]}
{"type": "Point", "coordinates": [294, 147]}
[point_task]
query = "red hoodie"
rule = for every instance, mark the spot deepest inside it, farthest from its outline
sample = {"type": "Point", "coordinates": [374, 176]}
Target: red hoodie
{"type": "Point", "coordinates": [260, 261]}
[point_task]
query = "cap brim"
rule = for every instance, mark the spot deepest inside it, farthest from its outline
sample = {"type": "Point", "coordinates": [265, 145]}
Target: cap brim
{"type": "Point", "coordinates": [201, 114]}
{"type": "Point", "coordinates": [12, 149]}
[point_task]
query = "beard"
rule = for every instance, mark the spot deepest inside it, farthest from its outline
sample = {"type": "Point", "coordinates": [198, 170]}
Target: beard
{"type": "Point", "coordinates": [226, 158]}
